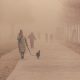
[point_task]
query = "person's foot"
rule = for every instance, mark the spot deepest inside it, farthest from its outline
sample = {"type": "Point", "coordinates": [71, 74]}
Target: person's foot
{"type": "Point", "coordinates": [22, 57]}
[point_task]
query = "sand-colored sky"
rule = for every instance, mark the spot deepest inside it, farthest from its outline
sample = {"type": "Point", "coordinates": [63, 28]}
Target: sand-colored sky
{"type": "Point", "coordinates": [40, 13]}
{"type": "Point", "coordinates": [37, 15]}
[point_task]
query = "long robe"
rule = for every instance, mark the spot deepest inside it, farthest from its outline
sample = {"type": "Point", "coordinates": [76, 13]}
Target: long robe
{"type": "Point", "coordinates": [21, 44]}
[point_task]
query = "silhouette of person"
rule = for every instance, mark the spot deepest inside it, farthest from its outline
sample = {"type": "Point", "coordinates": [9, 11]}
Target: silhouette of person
{"type": "Point", "coordinates": [51, 37]}
{"type": "Point", "coordinates": [32, 38]}
{"type": "Point", "coordinates": [22, 43]}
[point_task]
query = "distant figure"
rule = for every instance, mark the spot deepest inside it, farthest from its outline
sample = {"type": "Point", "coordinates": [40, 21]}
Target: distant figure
{"type": "Point", "coordinates": [32, 38]}
{"type": "Point", "coordinates": [51, 37]}
{"type": "Point", "coordinates": [46, 36]}
{"type": "Point", "coordinates": [22, 43]}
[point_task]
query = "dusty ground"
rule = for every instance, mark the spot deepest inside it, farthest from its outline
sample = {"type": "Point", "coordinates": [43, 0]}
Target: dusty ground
{"type": "Point", "coordinates": [6, 48]}
{"type": "Point", "coordinates": [7, 64]}
{"type": "Point", "coordinates": [56, 62]}
{"type": "Point", "coordinates": [9, 61]}
{"type": "Point", "coordinates": [74, 46]}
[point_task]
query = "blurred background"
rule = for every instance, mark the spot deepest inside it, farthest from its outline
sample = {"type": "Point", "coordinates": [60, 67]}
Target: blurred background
{"type": "Point", "coordinates": [57, 17]}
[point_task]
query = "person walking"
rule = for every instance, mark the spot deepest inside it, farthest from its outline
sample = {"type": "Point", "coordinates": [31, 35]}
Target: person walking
{"type": "Point", "coordinates": [32, 38]}
{"type": "Point", "coordinates": [22, 43]}
{"type": "Point", "coordinates": [51, 37]}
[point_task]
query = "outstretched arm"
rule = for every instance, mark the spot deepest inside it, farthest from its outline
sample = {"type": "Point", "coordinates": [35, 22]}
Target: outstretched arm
{"type": "Point", "coordinates": [26, 42]}
{"type": "Point", "coordinates": [27, 46]}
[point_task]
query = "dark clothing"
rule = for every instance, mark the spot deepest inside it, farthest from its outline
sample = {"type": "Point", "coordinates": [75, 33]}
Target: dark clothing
{"type": "Point", "coordinates": [22, 45]}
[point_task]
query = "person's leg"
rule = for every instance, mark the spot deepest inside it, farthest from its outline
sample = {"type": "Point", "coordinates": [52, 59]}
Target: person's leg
{"type": "Point", "coordinates": [37, 57]}
{"type": "Point", "coordinates": [22, 55]}
{"type": "Point", "coordinates": [32, 45]}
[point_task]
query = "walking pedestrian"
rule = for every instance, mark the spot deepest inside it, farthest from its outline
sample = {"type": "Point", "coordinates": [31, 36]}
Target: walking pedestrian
{"type": "Point", "coordinates": [22, 43]}
{"type": "Point", "coordinates": [32, 38]}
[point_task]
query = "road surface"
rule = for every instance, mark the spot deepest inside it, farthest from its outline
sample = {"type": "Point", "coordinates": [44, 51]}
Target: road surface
{"type": "Point", "coordinates": [57, 62]}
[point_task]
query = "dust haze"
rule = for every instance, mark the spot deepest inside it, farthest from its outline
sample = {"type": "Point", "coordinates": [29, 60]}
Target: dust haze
{"type": "Point", "coordinates": [56, 27]}
{"type": "Point", "coordinates": [36, 16]}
